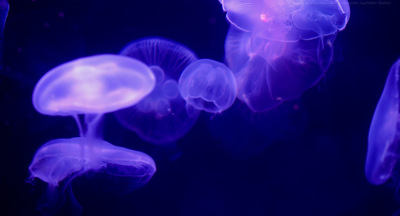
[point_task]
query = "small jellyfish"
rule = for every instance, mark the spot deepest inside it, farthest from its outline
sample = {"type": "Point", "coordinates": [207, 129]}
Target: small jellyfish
{"type": "Point", "coordinates": [383, 137]}
{"type": "Point", "coordinates": [208, 85]}
{"type": "Point", "coordinates": [3, 17]}
{"type": "Point", "coordinates": [89, 86]}
{"type": "Point", "coordinates": [161, 117]}
{"type": "Point", "coordinates": [288, 20]}
{"type": "Point", "coordinates": [268, 72]}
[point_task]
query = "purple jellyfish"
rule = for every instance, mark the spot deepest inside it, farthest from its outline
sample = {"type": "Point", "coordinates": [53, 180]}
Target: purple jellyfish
{"type": "Point", "coordinates": [288, 20]}
{"type": "Point", "coordinates": [89, 86]}
{"type": "Point", "coordinates": [384, 136]}
{"type": "Point", "coordinates": [208, 85]}
{"type": "Point", "coordinates": [161, 117]}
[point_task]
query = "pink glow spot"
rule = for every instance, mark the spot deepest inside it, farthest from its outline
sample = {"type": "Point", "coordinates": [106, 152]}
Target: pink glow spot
{"type": "Point", "coordinates": [264, 18]}
{"type": "Point", "coordinates": [61, 14]}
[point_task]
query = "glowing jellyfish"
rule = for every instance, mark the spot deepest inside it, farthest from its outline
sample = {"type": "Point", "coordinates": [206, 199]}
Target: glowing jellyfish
{"type": "Point", "coordinates": [161, 117]}
{"type": "Point", "coordinates": [383, 138]}
{"type": "Point", "coordinates": [288, 20]}
{"type": "Point", "coordinates": [268, 72]}
{"type": "Point", "coordinates": [95, 85]}
{"type": "Point", "coordinates": [3, 16]}
{"type": "Point", "coordinates": [208, 85]}
{"type": "Point", "coordinates": [90, 86]}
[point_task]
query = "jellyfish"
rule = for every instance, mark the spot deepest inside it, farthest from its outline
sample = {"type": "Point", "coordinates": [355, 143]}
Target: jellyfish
{"type": "Point", "coordinates": [268, 72]}
{"type": "Point", "coordinates": [161, 117]}
{"type": "Point", "coordinates": [89, 87]}
{"type": "Point", "coordinates": [208, 85]}
{"type": "Point", "coordinates": [279, 49]}
{"type": "Point", "coordinates": [383, 137]}
{"type": "Point", "coordinates": [3, 16]}
{"type": "Point", "coordinates": [288, 20]}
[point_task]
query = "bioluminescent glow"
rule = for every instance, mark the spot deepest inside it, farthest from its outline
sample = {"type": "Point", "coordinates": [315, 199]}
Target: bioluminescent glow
{"type": "Point", "coordinates": [161, 117]}
{"type": "Point", "coordinates": [279, 49]}
{"type": "Point", "coordinates": [383, 138]}
{"type": "Point", "coordinates": [96, 84]}
{"type": "Point", "coordinates": [288, 20]}
{"type": "Point", "coordinates": [61, 159]}
{"type": "Point", "coordinates": [89, 86]}
{"type": "Point", "coordinates": [208, 85]}
{"type": "Point", "coordinates": [4, 7]}
{"type": "Point", "coordinates": [268, 72]}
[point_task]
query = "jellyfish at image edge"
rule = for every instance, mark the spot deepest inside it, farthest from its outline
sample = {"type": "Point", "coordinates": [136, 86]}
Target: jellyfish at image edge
{"type": "Point", "coordinates": [279, 49]}
{"type": "Point", "coordinates": [208, 85]}
{"type": "Point", "coordinates": [161, 117]}
{"type": "Point", "coordinates": [89, 86]}
{"type": "Point", "coordinates": [4, 7]}
{"type": "Point", "coordinates": [384, 136]}
{"type": "Point", "coordinates": [288, 20]}
{"type": "Point", "coordinates": [268, 72]}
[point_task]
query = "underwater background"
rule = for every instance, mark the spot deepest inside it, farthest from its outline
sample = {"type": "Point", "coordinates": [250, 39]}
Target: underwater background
{"type": "Point", "coordinates": [305, 157]}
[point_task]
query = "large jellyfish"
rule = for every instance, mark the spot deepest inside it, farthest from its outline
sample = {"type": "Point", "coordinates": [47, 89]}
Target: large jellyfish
{"type": "Point", "coordinates": [90, 87]}
{"type": "Point", "coordinates": [268, 72]}
{"type": "Point", "coordinates": [161, 117]}
{"type": "Point", "coordinates": [208, 85]}
{"type": "Point", "coordinates": [288, 20]}
{"type": "Point", "coordinates": [279, 49]}
{"type": "Point", "coordinates": [384, 136]}
{"type": "Point", "coordinates": [3, 16]}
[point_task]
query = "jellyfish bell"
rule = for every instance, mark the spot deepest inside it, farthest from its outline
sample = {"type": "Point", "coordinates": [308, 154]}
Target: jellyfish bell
{"type": "Point", "coordinates": [96, 84]}
{"type": "Point", "coordinates": [288, 20]}
{"type": "Point", "coordinates": [208, 85]}
{"type": "Point", "coordinates": [383, 137]}
{"type": "Point", "coordinates": [161, 117]}
{"type": "Point", "coordinates": [60, 161]}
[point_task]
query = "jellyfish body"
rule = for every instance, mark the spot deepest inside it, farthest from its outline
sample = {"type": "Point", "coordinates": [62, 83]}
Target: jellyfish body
{"type": "Point", "coordinates": [279, 49]}
{"type": "Point", "coordinates": [63, 159]}
{"type": "Point", "coordinates": [384, 137]}
{"type": "Point", "coordinates": [161, 117]}
{"type": "Point", "coordinates": [96, 84]}
{"type": "Point", "coordinates": [89, 86]}
{"type": "Point", "coordinates": [208, 85]}
{"type": "Point", "coordinates": [268, 72]}
{"type": "Point", "coordinates": [288, 20]}
{"type": "Point", "coordinates": [4, 7]}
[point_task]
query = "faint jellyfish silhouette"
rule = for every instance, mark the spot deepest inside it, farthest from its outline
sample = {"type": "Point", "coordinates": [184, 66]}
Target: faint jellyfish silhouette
{"type": "Point", "coordinates": [161, 117]}
{"type": "Point", "coordinates": [383, 137]}
{"type": "Point", "coordinates": [208, 85]}
{"type": "Point", "coordinates": [89, 86]}
{"type": "Point", "coordinates": [4, 7]}
{"type": "Point", "coordinates": [288, 20]}
{"type": "Point", "coordinates": [268, 72]}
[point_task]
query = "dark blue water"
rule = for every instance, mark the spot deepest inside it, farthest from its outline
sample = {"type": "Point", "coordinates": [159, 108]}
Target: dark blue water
{"type": "Point", "coordinates": [305, 157]}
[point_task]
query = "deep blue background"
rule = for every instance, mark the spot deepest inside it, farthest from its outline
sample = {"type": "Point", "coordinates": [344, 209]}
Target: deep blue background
{"type": "Point", "coordinates": [304, 158]}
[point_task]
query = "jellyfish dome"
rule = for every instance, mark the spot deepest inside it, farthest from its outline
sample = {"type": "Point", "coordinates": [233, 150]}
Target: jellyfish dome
{"type": "Point", "coordinates": [208, 85]}
{"type": "Point", "coordinates": [383, 137]}
{"type": "Point", "coordinates": [268, 72]}
{"type": "Point", "coordinates": [288, 20]}
{"type": "Point", "coordinates": [60, 159]}
{"type": "Point", "coordinates": [95, 84]}
{"type": "Point", "coordinates": [161, 117]}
